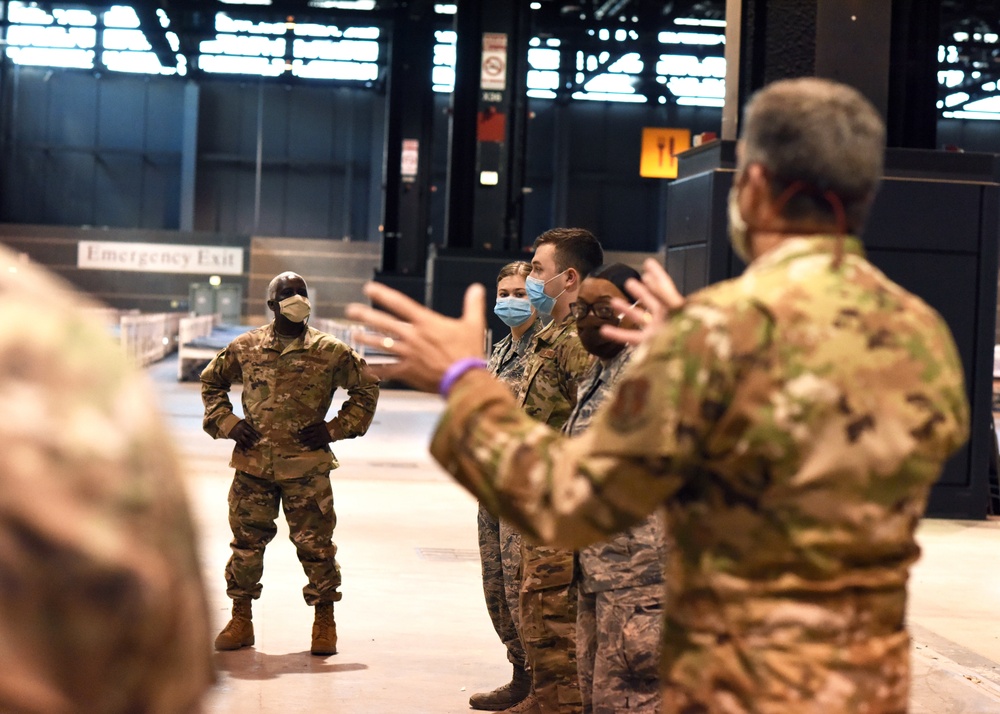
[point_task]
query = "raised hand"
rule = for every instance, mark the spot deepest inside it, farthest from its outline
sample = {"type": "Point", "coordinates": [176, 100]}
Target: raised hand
{"type": "Point", "coordinates": [656, 297]}
{"type": "Point", "coordinates": [426, 342]}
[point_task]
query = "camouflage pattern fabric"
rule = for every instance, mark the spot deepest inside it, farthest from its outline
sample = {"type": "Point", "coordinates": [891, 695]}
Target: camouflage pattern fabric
{"type": "Point", "coordinates": [618, 649]}
{"type": "Point", "coordinates": [554, 367]}
{"type": "Point", "coordinates": [548, 631]}
{"type": "Point", "coordinates": [308, 505]}
{"type": "Point", "coordinates": [284, 390]}
{"type": "Point", "coordinates": [620, 588]}
{"type": "Point", "coordinates": [102, 608]}
{"type": "Point", "coordinates": [499, 543]}
{"type": "Point", "coordinates": [556, 362]}
{"type": "Point", "coordinates": [500, 554]}
{"type": "Point", "coordinates": [507, 362]}
{"type": "Point", "coordinates": [792, 420]}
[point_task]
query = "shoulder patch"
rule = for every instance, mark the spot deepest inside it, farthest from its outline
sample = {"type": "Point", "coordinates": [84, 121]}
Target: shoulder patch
{"type": "Point", "coordinates": [628, 411]}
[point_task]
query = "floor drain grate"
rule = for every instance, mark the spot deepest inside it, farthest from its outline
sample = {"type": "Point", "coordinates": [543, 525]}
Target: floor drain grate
{"type": "Point", "coordinates": [448, 554]}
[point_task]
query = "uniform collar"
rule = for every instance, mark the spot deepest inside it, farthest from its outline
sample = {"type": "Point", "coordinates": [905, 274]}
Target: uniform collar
{"type": "Point", "coordinates": [551, 332]}
{"type": "Point", "coordinates": [273, 343]}
{"type": "Point", "coordinates": [806, 246]}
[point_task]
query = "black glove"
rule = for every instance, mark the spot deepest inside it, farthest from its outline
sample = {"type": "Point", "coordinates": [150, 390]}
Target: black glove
{"type": "Point", "coordinates": [314, 436]}
{"type": "Point", "coordinates": [244, 435]}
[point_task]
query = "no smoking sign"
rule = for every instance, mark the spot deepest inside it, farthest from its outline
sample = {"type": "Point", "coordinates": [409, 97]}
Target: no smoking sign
{"type": "Point", "coordinates": [494, 66]}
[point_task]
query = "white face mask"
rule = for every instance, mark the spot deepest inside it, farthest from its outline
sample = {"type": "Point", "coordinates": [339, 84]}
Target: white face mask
{"type": "Point", "coordinates": [296, 308]}
{"type": "Point", "coordinates": [739, 231]}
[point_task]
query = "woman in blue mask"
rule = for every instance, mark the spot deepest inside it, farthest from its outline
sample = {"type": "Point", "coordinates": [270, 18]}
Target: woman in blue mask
{"type": "Point", "coordinates": [514, 308]}
{"type": "Point", "coordinates": [499, 543]}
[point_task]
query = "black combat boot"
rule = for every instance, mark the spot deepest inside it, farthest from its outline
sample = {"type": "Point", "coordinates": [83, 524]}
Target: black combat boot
{"type": "Point", "coordinates": [515, 691]}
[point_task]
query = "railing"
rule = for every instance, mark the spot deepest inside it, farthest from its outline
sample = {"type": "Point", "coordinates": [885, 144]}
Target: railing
{"type": "Point", "coordinates": [148, 338]}
{"type": "Point", "coordinates": [349, 332]}
{"type": "Point", "coordinates": [191, 328]}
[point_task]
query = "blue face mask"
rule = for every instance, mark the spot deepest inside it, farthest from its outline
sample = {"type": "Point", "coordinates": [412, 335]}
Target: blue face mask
{"type": "Point", "coordinates": [536, 294]}
{"type": "Point", "coordinates": [513, 311]}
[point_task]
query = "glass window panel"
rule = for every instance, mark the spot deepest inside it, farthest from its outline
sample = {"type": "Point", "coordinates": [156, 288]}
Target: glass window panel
{"type": "Point", "coordinates": [321, 69]}
{"type": "Point", "coordinates": [443, 79]}
{"type": "Point", "coordinates": [21, 12]}
{"type": "Point", "coordinates": [242, 65]}
{"type": "Point", "coordinates": [243, 45]}
{"type": "Point", "coordinates": [345, 50]}
{"type": "Point", "coordinates": [629, 63]}
{"type": "Point", "coordinates": [41, 36]}
{"type": "Point", "coordinates": [121, 16]}
{"type": "Point", "coordinates": [313, 30]}
{"type": "Point", "coordinates": [538, 79]}
{"type": "Point", "coordinates": [444, 55]}
{"type": "Point", "coordinates": [543, 58]}
{"type": "Point", "coordinates": [224, 23]}
{"type": "Point", "coordinates": [362, 33]}
{"type": "Point", "coordinates": [691, 38]}
{"type": "Point", "coordinates": [47, 57]}
{"type": "Point", "coordinates": [607, 97]}
{"type": "Point", "coordinates": [75, 18]}
{"type": "Point", "coordinates": [136, 62]}
{"type": "Point", "coordinates": [610, 83]}
{"type": "Point", "coordinates": [125, 40]}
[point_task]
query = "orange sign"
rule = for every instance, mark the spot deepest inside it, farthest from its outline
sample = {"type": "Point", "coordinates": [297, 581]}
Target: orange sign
{"type": "Point", "coordinates": [659, 151]}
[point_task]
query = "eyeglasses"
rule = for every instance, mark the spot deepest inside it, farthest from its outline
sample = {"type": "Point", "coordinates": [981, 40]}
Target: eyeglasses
{"type": "Point", "coordinates": [603, 310]}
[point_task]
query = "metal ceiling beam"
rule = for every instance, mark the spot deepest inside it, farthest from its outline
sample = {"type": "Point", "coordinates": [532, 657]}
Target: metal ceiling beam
{"type": "Point", "coordinates": [156, 34]}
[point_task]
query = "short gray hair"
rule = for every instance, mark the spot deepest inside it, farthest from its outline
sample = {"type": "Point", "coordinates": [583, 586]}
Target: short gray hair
{"type": "Point", "coordinates": [272, 287]}
{"type": "Point", "coordinates": [822, 134]}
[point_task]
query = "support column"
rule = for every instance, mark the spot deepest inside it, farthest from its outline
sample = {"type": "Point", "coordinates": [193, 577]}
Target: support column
{"type": "Point", "coordinates": [489, 111]}
{"type": "Point", "coordinates": [189, 155]}
{"type": "Point", "coordinates": [409, 119]}
{"type": "Point", "coordinates": [887, 49]}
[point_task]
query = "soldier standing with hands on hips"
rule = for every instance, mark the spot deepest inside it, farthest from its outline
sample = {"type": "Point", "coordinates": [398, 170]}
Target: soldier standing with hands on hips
{"type": "Point", "coordinates": [289, 372]}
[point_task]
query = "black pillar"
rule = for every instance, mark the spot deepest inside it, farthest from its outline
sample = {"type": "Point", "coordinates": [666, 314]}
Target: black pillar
{"type": "Point", "coordinates": [488, 115]}
{"type": "Point", "coordinates": [409, 119]}
{"type": "Point", "coordinates": [913, 82]}
{"type": "Point", "coordinates": [886, 49]}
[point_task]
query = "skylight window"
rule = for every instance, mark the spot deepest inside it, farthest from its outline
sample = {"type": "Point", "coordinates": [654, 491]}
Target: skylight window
{"type": "Point", "coordinates": [121, 16]}
{"type": "Point", "coordinates": [112, 37]}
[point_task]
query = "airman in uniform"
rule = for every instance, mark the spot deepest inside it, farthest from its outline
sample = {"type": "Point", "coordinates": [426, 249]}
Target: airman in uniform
{"type": "Point", "coordinates": [282, 456]}
{"type": "Point", "coordinates": [499, 542]}
{"type": "Point", "coordinates": [620, 580]}
{"type": "Point", "coordinates": [554, 366]}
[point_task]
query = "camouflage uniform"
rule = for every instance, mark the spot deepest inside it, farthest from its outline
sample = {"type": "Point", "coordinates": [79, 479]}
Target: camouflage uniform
{"type": "Point", "coordinates": [548, 592]}
{"type": "Point", "coordinates": [285, 390]}
{"type": "Point", "coordinates": [102, 607]}
{"type": "Point", "coordinates": [792, 420]}
{"type": "Point", "coordinates": [620, 605]}
{"type": "Point", "coordinates": [499, 543]}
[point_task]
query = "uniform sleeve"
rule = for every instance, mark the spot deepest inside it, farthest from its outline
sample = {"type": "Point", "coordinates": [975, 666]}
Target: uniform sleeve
{"type": "Point", "coordinates": [642, 447]}
{"type": "Point", "coordinates": [216, 380]}
{"type": "Point", "coordinates": [357, 412]}
{"type": "Point", "coordinates": [575, 362]}
{"type": "Point", "coordinates": [648, 440]}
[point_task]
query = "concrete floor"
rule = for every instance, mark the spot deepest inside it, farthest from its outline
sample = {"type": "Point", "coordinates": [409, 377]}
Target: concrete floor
{"type": "Point", "coordinates": [414, 633]}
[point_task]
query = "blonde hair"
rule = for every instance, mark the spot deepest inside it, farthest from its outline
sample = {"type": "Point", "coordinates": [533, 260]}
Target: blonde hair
{"type": "Point", "coordinates": [518, 267]}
